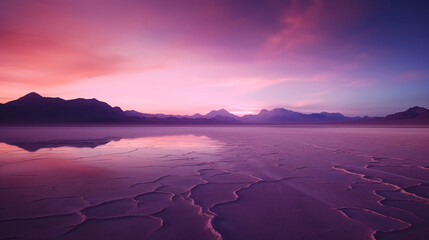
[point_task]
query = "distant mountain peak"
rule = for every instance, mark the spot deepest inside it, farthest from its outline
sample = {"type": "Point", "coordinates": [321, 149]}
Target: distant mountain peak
{"type": "Point", "coordinates": [222, 110]}
{"type": "Point", "coordinates": [220, 113]}
{"type": "Point", "coordinates": [281, 110]}
{"type": "Point", "coordinates": [335, 115]}
{"type": "Point", "coordinates": [277, 111]}
{"type": "Point", "coordinates": [32, 95]}
{"type": "Point", "coordinates": [412, 114]}
{"type": "Point", "coordinates": [418, 109]}
{"type": "Point", "coordinates": [35, 109]}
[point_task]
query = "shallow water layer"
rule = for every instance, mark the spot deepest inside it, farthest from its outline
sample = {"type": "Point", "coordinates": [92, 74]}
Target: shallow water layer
{"type": "Point", "coordinates": [214, 183]}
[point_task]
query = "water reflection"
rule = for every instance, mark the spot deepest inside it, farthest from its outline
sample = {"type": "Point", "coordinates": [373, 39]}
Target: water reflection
{"type": "Point", "coordinates": [33, 139]}
{"type": "Point", "coordinates": [66, 173]}
{"type": "Point", "coordinates": [48, 151]}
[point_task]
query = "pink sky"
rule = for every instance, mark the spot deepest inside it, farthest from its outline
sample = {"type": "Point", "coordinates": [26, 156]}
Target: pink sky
{"type": "Point", "coordinates": [184, 57]}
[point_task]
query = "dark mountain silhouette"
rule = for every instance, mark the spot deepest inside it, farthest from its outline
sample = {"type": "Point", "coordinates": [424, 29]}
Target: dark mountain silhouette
{"type": "Point", "coordinates": [197, 115]}
{"type": "Point", "coordinates": [281, 115]}
{"type": "Point", "coordinates": [35, 109]}
{"type": "Point", "coordinates": [133, 113]}
{"type": "Point", "coordinates": [221, 113]}
{"type": "Point", "coordinates": [414, 115]}
{"type": "Point", "coordinates": [411, 113]}
{"type": "Point", "coordinates": [278, 115]}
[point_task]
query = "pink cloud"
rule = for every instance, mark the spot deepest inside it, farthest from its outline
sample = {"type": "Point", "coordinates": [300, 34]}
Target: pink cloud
{"type": "Point", "coordinates": [358, 83]}
{"type": "Point", "coordinates": [47, 47]}
{"type": "Point", "coordinates": [243, 85]}
{"type": "Point", "coordinates": [414, 75]}
{"type": "Point", "coordinates": [299, 27]}
{"type": "Point", "coordinates": [317, 94]}
{"type": "Point", "coordinates": [306, 103]}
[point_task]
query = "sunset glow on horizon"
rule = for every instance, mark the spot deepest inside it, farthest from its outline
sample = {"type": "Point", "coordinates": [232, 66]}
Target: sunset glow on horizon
{"type": "Point", "coordinates": [186, 57]}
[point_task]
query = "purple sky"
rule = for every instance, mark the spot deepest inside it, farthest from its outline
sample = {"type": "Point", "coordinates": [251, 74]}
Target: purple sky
{"type": "Point", "coordinates": [356, 57]}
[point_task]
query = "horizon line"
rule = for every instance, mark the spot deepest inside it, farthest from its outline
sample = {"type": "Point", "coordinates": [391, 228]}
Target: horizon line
{"type": "Point", "coordinates": [220, 109]}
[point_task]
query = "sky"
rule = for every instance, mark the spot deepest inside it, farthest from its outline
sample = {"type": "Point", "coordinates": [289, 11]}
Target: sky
{"type": "Point", "coordinates": [357, 57]}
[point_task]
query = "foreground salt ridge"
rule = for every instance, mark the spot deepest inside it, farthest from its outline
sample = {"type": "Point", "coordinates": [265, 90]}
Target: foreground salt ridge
{"type": "Point", "coordinates": [242, 163]}
{"type": "Point", "coordinates": [400, 224]}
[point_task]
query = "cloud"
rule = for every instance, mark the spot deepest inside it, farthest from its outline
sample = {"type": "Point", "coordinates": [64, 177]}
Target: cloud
{"type": "Point", "coordinates": [299, 27]}
{"type": "Point", "coordinates": [358, 83]}
{"type": "Point", "coordinates": [55, 64]}
{"type": "Point", "coordinates": [306, 103]}
{"type": "Point", "coordinates": [42, 46]}
{"type": "Point", "coordinates": [317, 94]}
{"type": "Point", "coordinates": [413, 75]}
{"type": "Point", "coordinates": [244, 85]}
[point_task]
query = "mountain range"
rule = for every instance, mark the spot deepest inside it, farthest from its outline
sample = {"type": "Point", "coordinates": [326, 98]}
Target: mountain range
{"type": "Point", "coordinates": [35, 109]}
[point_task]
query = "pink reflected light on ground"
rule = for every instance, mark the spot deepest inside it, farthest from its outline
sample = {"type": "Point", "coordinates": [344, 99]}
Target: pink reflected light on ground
{"type": "Point", "coordinates": [229, 182]}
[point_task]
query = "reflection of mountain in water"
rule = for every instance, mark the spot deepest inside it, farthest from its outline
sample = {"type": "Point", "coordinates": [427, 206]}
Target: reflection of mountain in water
{"type": "Point", "coordinates": [32, 139]}
{"type": "Point", "coordinates": [32, 146]}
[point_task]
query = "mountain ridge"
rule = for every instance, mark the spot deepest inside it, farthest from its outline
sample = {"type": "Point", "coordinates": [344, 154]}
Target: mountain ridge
{"type": "Point", "coordinates": [33, 108]}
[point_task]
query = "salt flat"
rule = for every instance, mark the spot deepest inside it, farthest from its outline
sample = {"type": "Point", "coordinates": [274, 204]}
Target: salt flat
{"type": "Point", "coordinates": [247, 182]}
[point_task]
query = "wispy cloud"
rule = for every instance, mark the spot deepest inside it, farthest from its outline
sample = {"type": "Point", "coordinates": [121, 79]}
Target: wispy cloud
{"type": "Point", "coordinates": [414, 75]}
{"type": "Point", "coordinates": [358, 83]}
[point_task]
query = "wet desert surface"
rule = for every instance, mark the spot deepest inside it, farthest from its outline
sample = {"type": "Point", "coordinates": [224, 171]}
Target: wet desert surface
{"type": "Point", "coordinates": [214, 183]}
